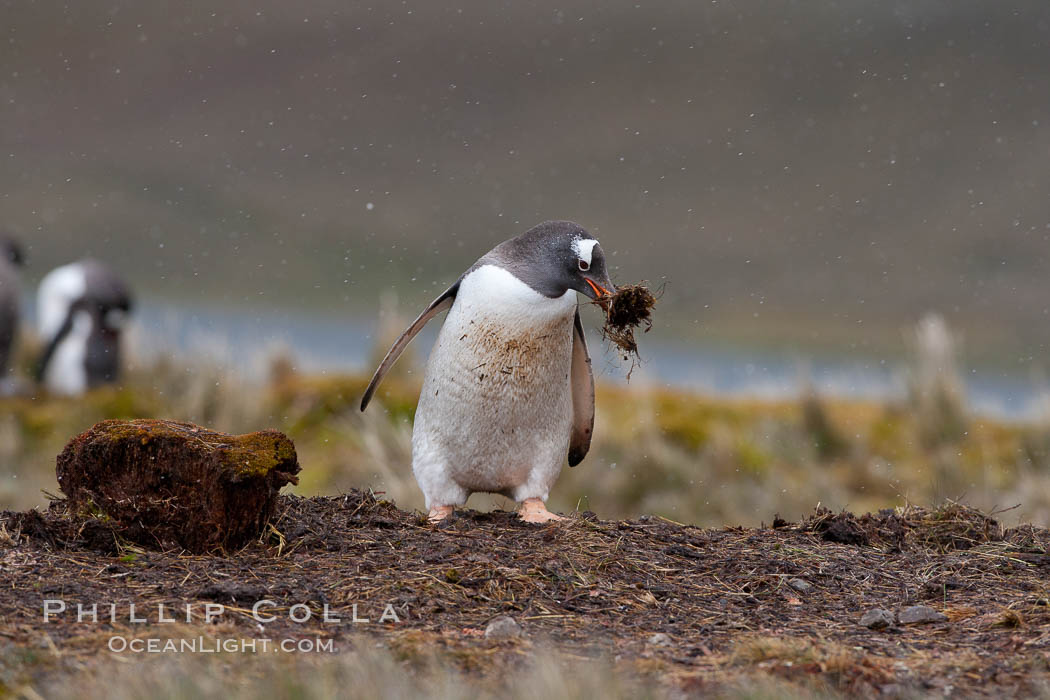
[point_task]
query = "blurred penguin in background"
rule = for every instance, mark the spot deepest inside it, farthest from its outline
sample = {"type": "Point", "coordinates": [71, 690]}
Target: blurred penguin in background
{"type": "Point", "coordinates": [10, 261]}
{"type": "Point", "coordinates": [82, 308]}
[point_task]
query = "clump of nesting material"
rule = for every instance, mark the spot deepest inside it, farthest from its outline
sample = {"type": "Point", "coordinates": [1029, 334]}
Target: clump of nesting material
{"type": "Point", "coordinates": [625, 311]}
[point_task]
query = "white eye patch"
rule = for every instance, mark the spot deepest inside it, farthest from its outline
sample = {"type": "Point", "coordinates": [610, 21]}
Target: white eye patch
{"type": "Point", "coordinates": [584, 248]}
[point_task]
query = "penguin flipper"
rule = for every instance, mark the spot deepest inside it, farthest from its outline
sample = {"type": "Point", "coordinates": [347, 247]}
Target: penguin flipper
{"type": "Point", "coordinates": [40, 370]}
{"type": "Point", "coordinates": [582, 382]}
{"type": "Point", "coordinates": [440, 304]}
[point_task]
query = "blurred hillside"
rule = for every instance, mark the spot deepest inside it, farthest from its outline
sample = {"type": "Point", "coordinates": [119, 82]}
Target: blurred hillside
{"type": "Point", "coordinates": [817, 173]}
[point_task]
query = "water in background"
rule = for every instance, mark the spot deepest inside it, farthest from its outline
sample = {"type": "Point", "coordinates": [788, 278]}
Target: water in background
{"type": "Point", "coordinates": [245, 340]}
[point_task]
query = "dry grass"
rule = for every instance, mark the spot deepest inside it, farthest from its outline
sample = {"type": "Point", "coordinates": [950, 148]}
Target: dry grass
{"type": "Point", "coordinates": [371, 672]}
{"type": "Point", "coordinates": [365, 672]}
{"type": "Point", "coordinates": [687, 457]}
{"type": "Point", "coordinates": [935, 388]}
{"type": "Point", "coordinates": [952, 526]}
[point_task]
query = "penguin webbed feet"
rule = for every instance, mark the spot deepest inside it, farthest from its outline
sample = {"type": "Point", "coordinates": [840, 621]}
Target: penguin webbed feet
{"type": "Point", "coordinates": [439, 513]}
{"type": "Point", "coordinates": [534, 510]}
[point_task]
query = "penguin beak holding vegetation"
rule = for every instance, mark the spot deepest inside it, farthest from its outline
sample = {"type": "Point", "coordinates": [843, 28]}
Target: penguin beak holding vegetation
{"type": "Point", "coordinates": [599, 291]}
{"type": "Point", "coordinates": [626, 308]}
{"type": "Point", "coordinates": [592, 279]}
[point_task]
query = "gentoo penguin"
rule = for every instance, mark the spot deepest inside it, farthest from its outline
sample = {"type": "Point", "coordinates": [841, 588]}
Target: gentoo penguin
{"type": "Point", "coordinates": [508, 389]}
{"type": "Point", "coordinates": [10, 260]}
{"type": "Point", "coordinates": [82, 308]}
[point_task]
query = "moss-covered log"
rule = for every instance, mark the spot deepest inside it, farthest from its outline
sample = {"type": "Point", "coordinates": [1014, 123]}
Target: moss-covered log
{"type": "Point", "coordinates": [164, 483]}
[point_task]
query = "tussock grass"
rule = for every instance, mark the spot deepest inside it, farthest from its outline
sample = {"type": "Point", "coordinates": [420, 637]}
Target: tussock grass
{"type": "Point", "coordinates": [935, 387]}
{"type": "Point", "coordinates": [687, 457]}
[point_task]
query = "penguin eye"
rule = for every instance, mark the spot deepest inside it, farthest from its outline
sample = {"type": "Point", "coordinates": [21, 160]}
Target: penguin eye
{"type": "Point", "coordinates": [584, 266]}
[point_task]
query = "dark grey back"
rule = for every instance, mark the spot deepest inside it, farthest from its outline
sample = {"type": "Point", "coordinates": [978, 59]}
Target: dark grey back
{"type": "Point", "coordinates": [10, 258]}
{"type": "Point", "coordinates": [105, 292]}
{"type": "Point", "coordinates": [8, 316]}
{"type": "Point", "coordinates": [11, 250]}
{"type": "Point", "coordinates": [102, 359]}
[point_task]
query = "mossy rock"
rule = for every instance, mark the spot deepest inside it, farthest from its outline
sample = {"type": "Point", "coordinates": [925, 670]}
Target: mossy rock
{"type": "Point", "coordinates": [165, 484]}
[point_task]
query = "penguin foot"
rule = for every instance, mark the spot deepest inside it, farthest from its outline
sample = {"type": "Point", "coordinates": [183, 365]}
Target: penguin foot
{"type": "Point", "coordinates": [533, 510]}
{"type": "Point", "coordinates": [439, 513]}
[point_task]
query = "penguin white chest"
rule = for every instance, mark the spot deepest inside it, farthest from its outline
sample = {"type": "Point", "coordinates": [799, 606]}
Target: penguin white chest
{"type": "Point", "coordinates": [495, 410]}
{"type": "Point", "coordinates": [58, 290]}
{"type": "Point", "coordinates": [67, 371]}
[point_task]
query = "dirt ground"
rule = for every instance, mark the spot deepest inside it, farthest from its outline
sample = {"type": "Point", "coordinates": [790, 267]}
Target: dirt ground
{"type": "Point", "coordinates": [693, 608]}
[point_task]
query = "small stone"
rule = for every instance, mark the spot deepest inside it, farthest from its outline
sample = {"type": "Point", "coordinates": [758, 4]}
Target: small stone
{"type": "Point", "coordinates": [800, 585]}
{"type": "Point", "coordinates": [877, 619]}
{"type": "Point", "coordinates": [921, 614]}
{"type": "Point", "coordinates": [503, 627]}
{"type": "Point", "coordinates": [660, 640]}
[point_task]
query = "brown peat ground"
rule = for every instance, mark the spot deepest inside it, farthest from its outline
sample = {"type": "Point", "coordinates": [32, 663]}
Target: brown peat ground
{"type": "Point", "coordinates": [662, 607]}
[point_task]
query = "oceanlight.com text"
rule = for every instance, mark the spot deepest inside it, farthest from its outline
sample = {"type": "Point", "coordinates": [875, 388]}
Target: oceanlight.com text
{"type": "Point", "coordinates": [230, 645]}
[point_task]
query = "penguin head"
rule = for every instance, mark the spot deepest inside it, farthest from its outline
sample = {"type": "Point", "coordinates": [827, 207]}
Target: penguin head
{"type": "Point", "coordinates": [83, 302]}
{"type": "Point", "coordinates": [87, 287]}
{"type": "Point", "coordinates": [11, 251]}
{"type": "Point", "coordinates": [554, 257]}
{"type": "Point", "coordinates": [109, 314]}
{"type": "Point", "coordinates": [106, 296]}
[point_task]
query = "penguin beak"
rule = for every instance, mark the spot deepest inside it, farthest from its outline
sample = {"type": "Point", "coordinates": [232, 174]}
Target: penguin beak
{"type": "Point", "coordinates": [602, 294]}
{"type": "Point", "coordinates": [599, 291]}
